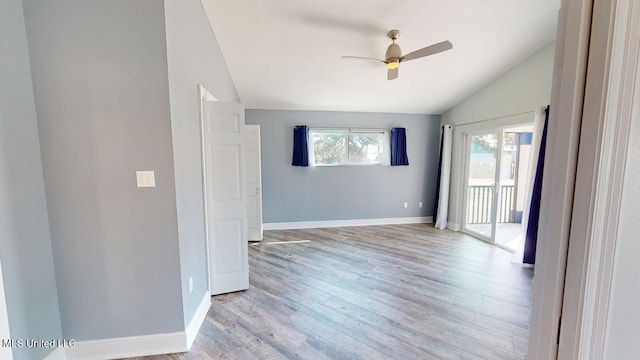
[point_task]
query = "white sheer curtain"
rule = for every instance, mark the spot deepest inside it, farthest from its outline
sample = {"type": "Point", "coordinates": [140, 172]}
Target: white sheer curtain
{"type": "Point", "coordinates": [445, 176]}
{"type": "Point", "coordinates": [538, 126]}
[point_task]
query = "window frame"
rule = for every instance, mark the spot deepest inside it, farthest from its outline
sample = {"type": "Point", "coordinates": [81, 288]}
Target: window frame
{"type": "Point", "coordinates": [386, 145]}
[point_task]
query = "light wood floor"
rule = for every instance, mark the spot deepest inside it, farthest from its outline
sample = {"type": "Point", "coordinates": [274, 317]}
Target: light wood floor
{"type": "Point", "coordinates": [376, 292]}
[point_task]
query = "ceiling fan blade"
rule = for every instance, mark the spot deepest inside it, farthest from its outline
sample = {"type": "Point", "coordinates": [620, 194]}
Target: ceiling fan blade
{"type": "Point", "coordinates": [429, 50]}
{"type": "Point", "coordinates": [362, 58]}
{"type": "Point", "coordinates": [392, 74]}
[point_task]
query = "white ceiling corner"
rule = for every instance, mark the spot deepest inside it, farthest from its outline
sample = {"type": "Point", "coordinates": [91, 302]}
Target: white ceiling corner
{"type": "Point", "coordinates": [285, 54]}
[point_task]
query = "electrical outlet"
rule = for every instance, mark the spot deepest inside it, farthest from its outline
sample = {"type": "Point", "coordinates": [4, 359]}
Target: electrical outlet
{"type": "Point", "coordinates": [406, 204]}
{"type": "Point", "coordinates": [420, 204]}
{"type": "Point", "coordinates": [145, 179]}
{"type": "Point", "coordinates": [190, 284]}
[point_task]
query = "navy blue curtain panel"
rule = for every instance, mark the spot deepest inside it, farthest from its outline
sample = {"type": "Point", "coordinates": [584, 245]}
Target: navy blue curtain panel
{"type": "Point", "coordinates": [435, 207]}
{"type": "Point", "coordinates": [531, 237]}
{"type": "Point", "coordinates": [300, 146]}
{"type": "Point", "coordinates": [399, 147]}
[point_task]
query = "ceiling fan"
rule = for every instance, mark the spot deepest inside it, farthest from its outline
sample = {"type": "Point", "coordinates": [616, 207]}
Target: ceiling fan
{"type": "Point", "coordinates": [394, 56]}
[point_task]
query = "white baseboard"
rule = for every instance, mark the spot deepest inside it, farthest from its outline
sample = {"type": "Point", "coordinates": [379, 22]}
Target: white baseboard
{"type": "Point", "coordinates": [135, 346]}
{"type": "Point", "coordinates": [128, 347]}
{"type": "Point", "coordinates": [198, 318]}
{"type": "Point", "coordinates": [453, 226]}
{"type": "Point", "coordinates": [345, 223]}
{"type": "Point", "coordinates": [57, 354]}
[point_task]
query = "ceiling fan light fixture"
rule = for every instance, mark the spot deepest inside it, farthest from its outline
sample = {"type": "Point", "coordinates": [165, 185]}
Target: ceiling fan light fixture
{"type": "Point", "coordinates": [394, 56]}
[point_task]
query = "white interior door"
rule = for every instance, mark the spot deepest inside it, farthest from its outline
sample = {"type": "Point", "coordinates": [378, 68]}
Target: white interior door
{"type": "Point", "coordinates": [226, 196]}
{"type": "Point", "coordinates": [5, 352]}
{"type": "Point", "coordinates": [254, 182]}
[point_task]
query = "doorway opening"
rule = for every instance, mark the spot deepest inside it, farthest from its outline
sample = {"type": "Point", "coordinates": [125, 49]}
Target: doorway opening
{"type": "Point", "coordinates": [498, 168]}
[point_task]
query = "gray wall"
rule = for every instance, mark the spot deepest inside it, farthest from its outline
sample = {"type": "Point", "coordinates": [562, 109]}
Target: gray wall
{"type": "Point", "coordinates": [193, 58]}
{"type": "Point", "coordinates": [100, 78]}
{"type": "Point", "coordinates": [345, 192]}
{"type": "Point", "coordinates": [519, 90]}
{"type": "Point", "coordinates": [25, 243]}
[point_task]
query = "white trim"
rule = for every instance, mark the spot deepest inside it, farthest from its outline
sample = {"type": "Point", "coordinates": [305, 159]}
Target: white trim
{"type": "Point", "coordinates": [57, 354]}
{"type": "Point", "coordinates": [126, 347]}
{"type": "Point", "coordinates": [583, 222]}
{"type": "Point", "coordinates": [618, 92]}
{"type": "Point", "coordinates": [498, 123]}
{"type": "Point", "coordinates": [453, 226]}
{"type": "Point", "coordinates": [204, 95]}
{"type": "Point", "coordinates": [345, 223]}
{"type": "Point", "coordinates": [558, 185]}
{"type": "Point", "coordinates": [255, 234]}
{"type": "Point", "coordinates": [135, 346]}
{"type": "Point", "coordinates": [198, 318]}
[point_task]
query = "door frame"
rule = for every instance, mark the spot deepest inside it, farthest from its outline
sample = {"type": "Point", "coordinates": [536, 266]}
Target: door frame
{"type": "Point", "coordinates": [484, 126]}
{"type": "Point", "coordinates": [204, 95]}
{"type": "Point", "coordinates": [457, 188]}
{"type": "Point", "coordinates": [496, 193]}
{"type": "Point", "coordinates": [611, 99]}
{"type": "Point", "coordinates": [558, 185]}
{"type": "Point", "coordinates": [613, 83]}
{"type": "Point", "coordinates": [247, 128]}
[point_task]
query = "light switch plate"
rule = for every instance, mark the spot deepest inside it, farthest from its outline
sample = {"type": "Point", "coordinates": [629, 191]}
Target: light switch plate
{"type": "Point", "coordinates": [146, 179]}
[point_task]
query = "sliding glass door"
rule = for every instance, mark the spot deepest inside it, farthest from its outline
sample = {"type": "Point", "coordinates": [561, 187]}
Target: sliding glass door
{"type": "Point", "coordinates": [482, 184]}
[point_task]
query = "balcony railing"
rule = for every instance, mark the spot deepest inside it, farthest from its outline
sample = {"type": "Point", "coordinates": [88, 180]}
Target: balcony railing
{"type": "Point", "coordinates": [480, 199]}
{"type": "Point", "coordinates": [507, 206]}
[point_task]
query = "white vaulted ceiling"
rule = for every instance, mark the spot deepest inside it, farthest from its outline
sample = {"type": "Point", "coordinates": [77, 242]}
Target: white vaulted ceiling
{"type": "Point", "coordinates": [285, 54]}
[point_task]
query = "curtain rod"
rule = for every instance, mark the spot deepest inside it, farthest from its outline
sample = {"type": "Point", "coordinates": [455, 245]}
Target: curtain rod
{"type": "Point", "coordinates": [495, 118]}
{"type": "Point", "coordinates": [345, 127]}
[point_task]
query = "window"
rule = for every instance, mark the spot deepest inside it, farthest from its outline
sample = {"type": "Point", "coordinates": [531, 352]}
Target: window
{"type": "Point", "coordinates": [334, 147]}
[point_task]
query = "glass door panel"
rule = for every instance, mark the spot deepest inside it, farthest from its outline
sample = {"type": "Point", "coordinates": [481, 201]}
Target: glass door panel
{"type": "Point", "coordinates": [482, 184]}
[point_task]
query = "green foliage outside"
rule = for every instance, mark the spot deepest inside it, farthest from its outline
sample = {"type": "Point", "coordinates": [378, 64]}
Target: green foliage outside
{"type": "Point", "coordinates": [365, 148]}
{"type": "Point", "coordinates": [484, 144]}
{"type": "Point", "coordinates": [331, 148]}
